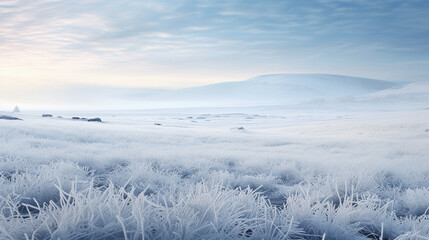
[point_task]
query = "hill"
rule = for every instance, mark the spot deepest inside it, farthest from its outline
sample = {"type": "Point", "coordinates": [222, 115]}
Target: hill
{"type": "Point", "coordinates": [276, 89]}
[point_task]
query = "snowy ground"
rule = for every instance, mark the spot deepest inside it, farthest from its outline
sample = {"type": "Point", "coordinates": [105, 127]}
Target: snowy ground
{"type": "Point", "coordinates": [337, 158]}
{"type": "Point", "coordinates": [289, 174]}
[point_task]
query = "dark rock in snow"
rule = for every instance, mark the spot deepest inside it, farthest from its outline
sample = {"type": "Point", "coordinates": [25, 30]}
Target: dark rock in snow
{"type": "Point", "coordinates": [82, 118]}
{"type": "Point", "coordinates": [427, 130]}
{"type": "Point", "coordinates": [5, 117]}
{"type": "Point", "coordinates": [94, 120]}
{"type": "Point", "coordinates": [240, 128]}
{"type": "Point", "coordinates": [46, 115]}
{"type": "Point", "coordinates": [75, 118]}
{"type": "Point", "coordinates": [157, 124]}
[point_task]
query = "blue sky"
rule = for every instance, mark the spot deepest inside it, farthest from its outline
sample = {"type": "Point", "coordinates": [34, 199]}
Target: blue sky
{"type": "Point", "coordinates": [171, 44]}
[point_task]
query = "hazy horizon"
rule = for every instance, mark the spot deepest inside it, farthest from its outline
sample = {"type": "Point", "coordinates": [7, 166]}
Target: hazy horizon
{"type": "Point", "coordinates": [292, 90]}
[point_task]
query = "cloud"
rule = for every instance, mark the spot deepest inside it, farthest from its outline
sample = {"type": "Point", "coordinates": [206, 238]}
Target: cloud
{"type": "Point", "coordinates": [198, 28]}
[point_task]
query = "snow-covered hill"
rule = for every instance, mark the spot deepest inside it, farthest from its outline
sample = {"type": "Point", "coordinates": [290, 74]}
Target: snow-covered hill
{"type": "Point", "coordinates": [276, 89]}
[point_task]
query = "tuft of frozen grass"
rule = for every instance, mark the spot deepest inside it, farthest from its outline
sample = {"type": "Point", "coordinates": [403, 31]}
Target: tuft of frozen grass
{"type": "Point", "coordinates": [36, 183]}
{"type": "Point", "coordinates": [415, 202]}
{"type": "Point", "coordinates": [203, 211]}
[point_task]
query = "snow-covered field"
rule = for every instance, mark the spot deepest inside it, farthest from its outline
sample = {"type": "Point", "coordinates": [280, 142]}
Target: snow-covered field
{"type": "Point", "coordinates": [354, 168]}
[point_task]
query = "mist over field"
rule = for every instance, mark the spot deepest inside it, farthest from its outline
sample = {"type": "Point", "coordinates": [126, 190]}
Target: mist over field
{"type": "Point", "coordinates": [226, 119]}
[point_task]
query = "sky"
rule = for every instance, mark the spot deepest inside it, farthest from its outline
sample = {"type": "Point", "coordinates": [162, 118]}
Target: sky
{"type": "Point", "coordinates": [174, 44]}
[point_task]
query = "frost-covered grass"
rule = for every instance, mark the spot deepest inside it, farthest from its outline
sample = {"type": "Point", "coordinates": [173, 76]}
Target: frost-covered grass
{"type": "Point", "coordinates": [310, 175]}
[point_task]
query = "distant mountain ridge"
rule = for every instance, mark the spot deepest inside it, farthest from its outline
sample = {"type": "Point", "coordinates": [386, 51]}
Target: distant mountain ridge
{"type": "Point", "coordinates": [273, 89]}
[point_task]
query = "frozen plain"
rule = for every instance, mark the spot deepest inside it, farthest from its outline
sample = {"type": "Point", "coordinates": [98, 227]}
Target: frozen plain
{"type": "Point", "coordinates": [347, 168]}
